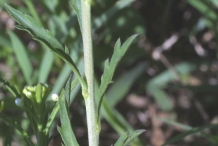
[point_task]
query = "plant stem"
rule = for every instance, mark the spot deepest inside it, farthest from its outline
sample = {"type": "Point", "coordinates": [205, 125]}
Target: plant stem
{"type": "Point", "coordinates": [93, 130]}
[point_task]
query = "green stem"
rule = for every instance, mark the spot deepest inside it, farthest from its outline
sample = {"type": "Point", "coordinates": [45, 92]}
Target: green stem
{"type": "Point", "coordinates": [93, 130]}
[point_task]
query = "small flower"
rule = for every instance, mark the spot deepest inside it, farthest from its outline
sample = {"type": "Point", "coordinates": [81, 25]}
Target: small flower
{"type": "Point", "coordinates": [18, 102]}
{"type": "Point", "coordinates": [54, 97]}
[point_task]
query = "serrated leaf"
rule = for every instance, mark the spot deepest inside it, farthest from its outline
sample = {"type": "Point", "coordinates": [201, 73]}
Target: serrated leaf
{"type": "Point", "coordinates": [11, 88]}
{"type": "Point", "coordinates": [76, 4]}
{"type": "Point", "coordinates": [110, 67]}
{"type": "Point", "coordinates": [22, 57]}
{"type": "Point", "coordinates": [66, 130]}
{"type": "Point", "coordinates": [17, 127]}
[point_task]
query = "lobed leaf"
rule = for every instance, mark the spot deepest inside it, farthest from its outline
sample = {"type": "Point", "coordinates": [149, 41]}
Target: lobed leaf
{"type": "Point", "coordinates": [110, 67]}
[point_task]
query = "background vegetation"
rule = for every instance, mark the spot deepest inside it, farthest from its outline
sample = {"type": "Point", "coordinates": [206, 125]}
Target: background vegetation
{"type": "Point", "coordinates": [166, 83]}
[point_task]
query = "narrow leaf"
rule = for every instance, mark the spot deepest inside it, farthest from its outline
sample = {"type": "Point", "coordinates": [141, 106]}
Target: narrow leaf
{"type": "Point", "coordinates": [45, 66]}
{"type": "Point", "coordinates": [190, 132]}
{"type": "Point", "coordinates": [11, 88]}
{"type": "Point", "coordinates": [121, 140]}
{"type": "Point", "coordinates": [67, 90]}
{"type": "Point", "coordinates": [8, 138]}
{"type": "Point", "coordinates": [17, 127]}
{"type": "Point", "coordinates": [22, 57]}
{"type": "Point", "coordinates": [132, 136]}
{"type": "Point", "coordinates": [29, 24]}
{"type": "Point", "coordinates": [66, 130]}
{"type": "Point", "coordinates": [76, 4]}
{"type": "Point", "coordinates": [109, 68]}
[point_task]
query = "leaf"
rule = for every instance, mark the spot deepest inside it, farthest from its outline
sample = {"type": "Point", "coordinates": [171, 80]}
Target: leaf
{"type": "Point", "coordinates": [109, 67]}
{"type": "Point", "coordinates": [121, 140]}
{"type": "Point", "coordinates": [22, 57]}
{"type": "Point", "coordinates": [126, 139]}
{"type": "Point", "coordinates": [8, 138]}
{"type": "Point", "coordinates": [65, 130]}
{"type": "Point", "coordinates": [11, 88]}
{"type": "Point", "coordinates": [67, 91]}
{"type": "Point", "coordinates": [1, 106]}
{"type": "Point", "coordinates": [45, 66]}
{"type": "Point", "coordinates": [53, 113]}
{"type": "Point", "coordinates": [133, 135]}
{"type": "Point", "coordinates": [104, 18]}
{"type": "Point", "coordinates": [17, 127]}
{"type": "Point", "coordinates": [30, 25]}
{"type": "Point", "coordinates": [76, 4]}
{"type": "Point", "coordinates": [123, 84]}
{"type": "Point", "coordinates": [190, 132]}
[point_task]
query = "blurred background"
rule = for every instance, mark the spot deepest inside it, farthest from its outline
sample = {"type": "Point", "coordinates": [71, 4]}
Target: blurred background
{"type": "Point", "coordinates": [166, 83]}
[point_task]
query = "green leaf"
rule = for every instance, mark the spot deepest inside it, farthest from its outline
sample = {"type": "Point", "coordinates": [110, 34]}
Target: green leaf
{"type": "Point", "coordinates": [68, 90]}
{"type": "Point", "coordinates": [110, 67]}
{"type": "Point", "coordinates": [76, 4]}
{"type": "Point", "coordinates": [24, 135]}
{"type": "Point", "coordinates": [1, 106]}
{"type": "Point", "coordinates": [120, 87]}
{"type": "Point", "coordinates": [53, 113]}
{"type": "Point", "coordinates": [22, 57]}
{"type": "Point", "coordinates": [30, 25]}
{"type": "Point", "coordinates": [45, 66]}
{"type": "Point", "coordinates": [121, 140]}
{"type": "Point", "coordinates": [133, 135]}
{"type": "Point", "coordinates": [8, 138]}
{"type": "Point", "coordinates": [11, 88]}
{"type": "Point", "coordinates": [190, 132]}
{"type": "Point", "coordinates": [66, 130]}
{"type": "Point", "coordinates": [104, 18]}
{"type": "Point", "coordinates": [126, 139]}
